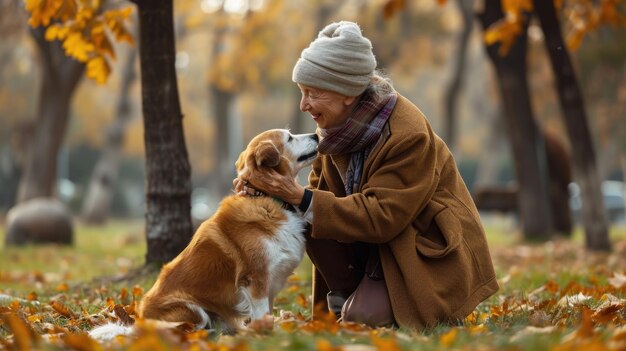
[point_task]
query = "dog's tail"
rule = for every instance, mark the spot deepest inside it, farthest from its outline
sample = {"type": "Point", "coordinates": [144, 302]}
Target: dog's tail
{"type": "Point", "coordinates": [112, 330]}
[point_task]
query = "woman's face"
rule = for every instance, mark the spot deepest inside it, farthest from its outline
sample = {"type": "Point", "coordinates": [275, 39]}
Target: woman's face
{"type": "Point", "coordinates": [328, 109]}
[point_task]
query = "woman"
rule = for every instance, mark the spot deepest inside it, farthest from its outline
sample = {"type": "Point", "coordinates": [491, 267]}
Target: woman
{"type": "Point", "coordinates": [384, 192]}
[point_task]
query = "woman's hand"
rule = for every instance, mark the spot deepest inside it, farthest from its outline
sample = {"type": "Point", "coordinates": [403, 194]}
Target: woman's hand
{"type": "Point", "coordinates": [271, 183]}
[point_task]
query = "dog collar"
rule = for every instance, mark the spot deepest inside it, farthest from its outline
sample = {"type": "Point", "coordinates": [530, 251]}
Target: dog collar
{"type": "Point", "coordinates": [284, 205]}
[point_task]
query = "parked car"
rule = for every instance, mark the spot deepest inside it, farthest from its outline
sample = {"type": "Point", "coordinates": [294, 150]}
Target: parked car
{"type": "Point", "coordinates": [613, 195]}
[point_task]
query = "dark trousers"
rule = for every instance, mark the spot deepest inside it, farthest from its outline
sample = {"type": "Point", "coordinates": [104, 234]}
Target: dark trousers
{"type": "Point", "coordinates": [341, 265]}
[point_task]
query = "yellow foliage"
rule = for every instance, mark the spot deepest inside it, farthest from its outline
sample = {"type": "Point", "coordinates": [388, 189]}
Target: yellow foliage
{"type": "Point", "coordinates": [584, 16]}
{"type": "Point", "coordinates": [83, 29]}
{"type": "Point", "coordinates": [516, 7]}
{"type": "Point", "coordinates": [391, 7]}
{"type": "Point", "coordinates": [505, 32]}
{"type": "Point", "coordinates": [42, 11]}
{"type": "Point", "coordinates": [77, 47]}
{"type": "Point", "coordinates": [115, 21]}
{"type": "Point", "coordinates": [101, 40]}
{"type": "Point", "coordinates": [247, 55]}
{"type": "Point", "coordinates": [55, 32]}
{"type": "Point", "coordinates": [581, 17]}
{"type": "Point", "coordinates": [98, 69]}
{"type": "Point", "coordinates": [67, 11]}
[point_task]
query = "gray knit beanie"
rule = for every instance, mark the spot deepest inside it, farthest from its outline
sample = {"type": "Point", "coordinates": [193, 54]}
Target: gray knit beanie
{"type": "Point", "coordinates": [339, 60]}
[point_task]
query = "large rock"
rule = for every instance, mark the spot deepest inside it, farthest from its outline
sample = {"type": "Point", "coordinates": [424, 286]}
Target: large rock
{"type": "Point", "coordinates": [41, 220]}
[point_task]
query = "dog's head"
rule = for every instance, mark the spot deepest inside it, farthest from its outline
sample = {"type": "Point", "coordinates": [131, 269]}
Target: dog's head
{"type": "Point", "coordinates": [277, 149]}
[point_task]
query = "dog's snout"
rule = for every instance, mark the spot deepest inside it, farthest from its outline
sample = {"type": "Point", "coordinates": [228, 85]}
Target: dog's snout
{"type": "Point", "coordinates": [315, 137]}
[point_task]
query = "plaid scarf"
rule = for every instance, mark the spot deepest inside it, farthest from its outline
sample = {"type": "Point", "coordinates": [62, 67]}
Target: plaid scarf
{"type": "Point", "coordinates": [357, 135]}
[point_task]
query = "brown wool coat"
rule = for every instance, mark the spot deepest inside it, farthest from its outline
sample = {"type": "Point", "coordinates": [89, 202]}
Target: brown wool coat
{"type": "Point", "coordinates": [414, 204]}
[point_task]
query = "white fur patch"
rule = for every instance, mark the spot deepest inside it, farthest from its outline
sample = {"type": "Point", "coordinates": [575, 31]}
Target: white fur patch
{"type": "Point", "coordinates": [285, 250]}
{"type": "Point", "coordinates": [206, 320]}
{"type": "Point", "coordinates": [109, 331]}
{"type": "Point", "coordinates": [244, 306]}
{"type": "Point", "coordinates": [260, 307]}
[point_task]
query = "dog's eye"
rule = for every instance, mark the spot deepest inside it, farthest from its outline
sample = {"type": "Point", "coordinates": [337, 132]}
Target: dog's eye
{"type": "Point", "coordinates": [290, 138]}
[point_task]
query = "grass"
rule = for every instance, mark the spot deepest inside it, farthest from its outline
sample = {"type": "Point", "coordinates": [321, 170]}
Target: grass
{"type": "Point", "coordinates": [530, 312]}
{"type": "Point", "coordinates": [110, 250]}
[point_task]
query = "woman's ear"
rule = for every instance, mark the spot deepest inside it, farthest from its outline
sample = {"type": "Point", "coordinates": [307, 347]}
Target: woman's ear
{"type": "Point", "coordinates": [349, 100]}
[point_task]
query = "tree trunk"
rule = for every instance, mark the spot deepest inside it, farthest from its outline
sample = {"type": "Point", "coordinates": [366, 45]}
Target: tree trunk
{"type": "Point", "coordinates": [168, 173]}
{"type": "Point", "coordinates": [560, 170]}
{"type": "Point", "coordinates": [489, 162]}
{"type": "Point", "coordinates": [573, 107]}
{"type": "Point", "coordinates": [527, 143]}
{"type": "Point", "coordinates": [452, 93]}
{"type": "Point", "coordinates": [97, 205]}
{"type": "Point", "coordinates": [222, 100]}
{"type": "Point", "coordinates": [224, 171]}
{"type": "Point", "coordinates": [61, 75]}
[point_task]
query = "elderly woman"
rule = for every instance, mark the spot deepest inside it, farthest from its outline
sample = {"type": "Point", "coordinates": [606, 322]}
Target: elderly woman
{"type": "Point", "coordinates": [394, 237]}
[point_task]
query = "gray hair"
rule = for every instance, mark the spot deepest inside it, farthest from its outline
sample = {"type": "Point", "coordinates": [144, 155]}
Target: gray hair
{"type": "Point", "coordinates": [380, 86]}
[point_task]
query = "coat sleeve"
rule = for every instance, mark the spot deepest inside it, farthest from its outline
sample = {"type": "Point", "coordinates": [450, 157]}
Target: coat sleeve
{"type": "Point", "coordinates": [315, 174]}
{"type": "Point", "coordinates": [400, 181]}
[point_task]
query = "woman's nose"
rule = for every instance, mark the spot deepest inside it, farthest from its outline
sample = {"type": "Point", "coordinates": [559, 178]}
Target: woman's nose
{"type": "Point", "coordinates": [304, 105]}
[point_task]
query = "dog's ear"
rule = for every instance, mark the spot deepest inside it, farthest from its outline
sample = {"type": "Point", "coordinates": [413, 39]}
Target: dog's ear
{"type": "Point", "coordinates": [267, 154]}
{"type": "Point", "coordinates": [240, 163]}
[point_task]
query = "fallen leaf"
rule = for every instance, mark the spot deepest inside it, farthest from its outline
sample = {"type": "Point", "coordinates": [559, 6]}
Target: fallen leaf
{"type": "Point", "coordinates": [124, 318]}
{"type": "Point", "coordinates": [32, 296]}
{"type": "Point", "coordinates": [539, 319]}
{"type": "Point", "coordinates": [607, 314]}
{"type": "Point", "coordinates": [63, 287]}
{"type": "Point", "coordinates": [531, 330]}
{"type": "Point", "coordinates": [449, 337]}
{"type": "Point", "coordinates": [325, 345]}
{"type": "Point", "coordinates": [302, 301]}
{"type": "Point", "coordinates": [80, 342]}
{"type": "Point", "coordinates": [61, 309]}
{"type": "Point", "coordinates": [477, 329]}
{"type": "Point", "coordinates": [289, 326]}
{"type": "Point", "coordinates": [572, 300]}
{"type": "Point", "coordinates": [618, 280]}
{"type": "Point", "coordinates": [137, 291]}
{"type": "Point", "coordinates": [24, 336]}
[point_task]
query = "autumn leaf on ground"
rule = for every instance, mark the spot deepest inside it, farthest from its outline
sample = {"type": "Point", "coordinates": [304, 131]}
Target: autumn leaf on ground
{"type": "Point", "coordinates": [325, 345]}
{"type": "Point", "coordinates": [81, 342]}
{"type": "Point", "coordinates": [573, 300]}
{"type": "Point", "coordinates": [23, 335]}
{"type": "Point", "coordinates": [449, 337]}
{"type": "Point", "coordinates": [530, 331]}
{"type": "Point", "coordinates": [607, 314]}
{"type": "Point", "coordinates": [63, 287]}
{"type": "Point", "coordinates": [618, 280]}
{"type": "Point", "coordinates": [618, 339]}
{"type": "Point", "coordinates": [124, 318]}
{"type": "Point", "coordinates": [384, 343]}
{"type": "Point", "coordinates": [61, 309]}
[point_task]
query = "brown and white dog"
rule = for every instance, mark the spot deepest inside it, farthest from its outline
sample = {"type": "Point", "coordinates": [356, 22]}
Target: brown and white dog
{"type": "Point", "coordinates": [240, 258]}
